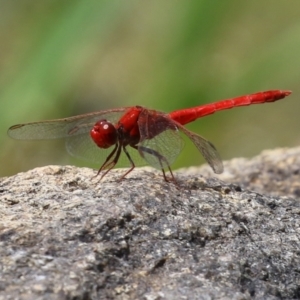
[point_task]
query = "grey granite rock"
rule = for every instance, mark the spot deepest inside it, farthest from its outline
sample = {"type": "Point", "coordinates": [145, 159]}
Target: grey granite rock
{"type": "Point", "coordinates": [65, 235]}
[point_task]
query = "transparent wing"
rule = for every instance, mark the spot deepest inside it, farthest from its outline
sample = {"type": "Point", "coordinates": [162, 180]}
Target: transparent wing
{"type": "Point", "coordinates": [160, 142]}
{"type": "Point", "coordinates": [161, 151]}
{"type": "Point", "coordinates": [76, 131]}
{"type": "Point", "coordinates": [62, 128]}
{"type": "Point", "coordinates": [206, 148]}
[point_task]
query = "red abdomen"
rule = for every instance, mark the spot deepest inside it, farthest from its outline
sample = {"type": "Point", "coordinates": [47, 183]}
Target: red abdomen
{"type": "Point", "coordinates": [185, 116]}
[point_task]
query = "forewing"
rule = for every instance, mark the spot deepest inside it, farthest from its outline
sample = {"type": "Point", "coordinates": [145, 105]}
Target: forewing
{"type": "Point", "coordinates": [76, 131]}
{"type": "Point", "coordinates": [63, 128]}
{"type": "Point", "coordinates": [160, 142]}
{"type": "Point", "coordinates": [206, 148]}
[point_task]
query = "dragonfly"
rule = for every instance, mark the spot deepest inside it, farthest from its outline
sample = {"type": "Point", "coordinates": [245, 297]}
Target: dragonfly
{"type": "Point", "coordinates": [109, 136]}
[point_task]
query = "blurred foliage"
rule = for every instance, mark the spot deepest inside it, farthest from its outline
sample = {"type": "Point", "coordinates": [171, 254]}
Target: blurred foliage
{"type": "Point", "coordinates": [62, 58]}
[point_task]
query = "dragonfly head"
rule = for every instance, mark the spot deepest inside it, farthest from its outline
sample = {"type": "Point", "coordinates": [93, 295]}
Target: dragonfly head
{"type": "Point", "coordinates": [104, 134]}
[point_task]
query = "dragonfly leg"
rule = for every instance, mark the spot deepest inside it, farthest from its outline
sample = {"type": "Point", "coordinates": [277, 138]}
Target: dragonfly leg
{"type": "Point", "coordinates": [106, 163]}
{"type": "Point", "coordinates": [131, 162]}
{"type": "Point", "coordinates": [161, 159]}
{"type": "Point", "coordinates": [172, 176]}
{"type": "Point", "coordinates": [110, 164]}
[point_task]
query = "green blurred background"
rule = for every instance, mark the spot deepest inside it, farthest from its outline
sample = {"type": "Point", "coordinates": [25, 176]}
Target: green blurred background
{"type": "Point", "coordinates": [63, 58]}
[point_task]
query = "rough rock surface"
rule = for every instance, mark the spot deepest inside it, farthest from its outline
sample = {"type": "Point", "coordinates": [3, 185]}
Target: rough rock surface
{"type": "Point", "coordinates": [64, 235]}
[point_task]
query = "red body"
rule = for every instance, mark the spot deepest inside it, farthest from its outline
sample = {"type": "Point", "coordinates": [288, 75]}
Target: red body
{"type": "Point", "coordinates": [185, 116]}
{"type": "Point", "coordinates": [155, 135]}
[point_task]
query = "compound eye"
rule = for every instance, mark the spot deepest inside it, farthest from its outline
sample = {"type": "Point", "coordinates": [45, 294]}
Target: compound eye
{"type": "Point", "coordinates": [104, 134]}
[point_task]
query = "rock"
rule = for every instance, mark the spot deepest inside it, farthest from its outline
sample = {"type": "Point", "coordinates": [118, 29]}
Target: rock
{"type": "Point", "coordinates": [65, 235]}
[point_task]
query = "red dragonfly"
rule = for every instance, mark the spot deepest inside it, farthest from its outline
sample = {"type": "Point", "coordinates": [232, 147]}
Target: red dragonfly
{"type": "Point", "coordinates": [154, 135]}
